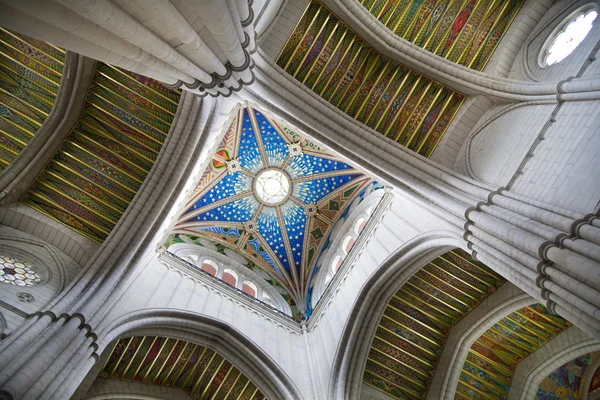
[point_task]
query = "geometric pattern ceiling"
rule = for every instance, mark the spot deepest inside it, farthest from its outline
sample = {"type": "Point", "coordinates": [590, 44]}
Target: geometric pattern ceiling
{"type": "Point", "coordinates": [465, 32]}
{"type": "Point", "coordinates": [101, 164]}
{"type": "Point", "coordinates": [416, 322]}
{"type": "Point", "coordinates": [30, 73]}
{"type": "Point", "coordinates": [282, 237]}
{"type": "Point", "coordinates": [492, 359]}
{"type": "Point", "coordinates": [329, 58]}
{"type": "Point", "coordinates": [197, 370]}
{"type": "Point", "coordinates": [567, 382]}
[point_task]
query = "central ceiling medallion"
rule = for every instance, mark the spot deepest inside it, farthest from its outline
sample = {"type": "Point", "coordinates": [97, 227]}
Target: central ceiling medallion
{"type": "Point", "coordinates": [272, 186]}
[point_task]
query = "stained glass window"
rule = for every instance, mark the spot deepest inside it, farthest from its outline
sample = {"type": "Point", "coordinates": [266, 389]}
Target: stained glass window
{"type": "Point", "coordinates": [567, 39]}
{"type": "Point", "coordinates": [16, 272]}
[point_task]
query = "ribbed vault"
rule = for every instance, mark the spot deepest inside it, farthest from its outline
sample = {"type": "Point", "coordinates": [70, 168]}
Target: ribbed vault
{"type": "Point", "coordinates": [492, 359]}
{"type": "Point", "coordinates": [99, 167]}
{"type": "Point", "coordinates": [30, 74]}
{"type": "Point", "coordinates": [197, 370]}
{"type": "Point", "coordinates": [417, 320]}
{"type": "Point", "coordinates": [463, 31]}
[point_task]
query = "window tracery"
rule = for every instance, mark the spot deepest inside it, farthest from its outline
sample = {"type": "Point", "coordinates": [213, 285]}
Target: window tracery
{"type": "Point", "coordinates": [17, 272]}
{"type": "Point", "coordinates": [562, 43]}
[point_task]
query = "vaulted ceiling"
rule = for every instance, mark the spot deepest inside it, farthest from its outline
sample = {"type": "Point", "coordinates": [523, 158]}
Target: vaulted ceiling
{"type": "Point", "coordinates": [285, 237]}
{"type": "Point", "coordinates": [197, 370]}
{"type": "Point", "coordinates": [99, 167]}
{"type": "Point", "coordinates": [414, 327]}
{"type": "Point", "coordinates": [463, 31]}
{"type": "Point", "coordinates": [492, 359]}
{"type": "Point", "coordinates": [400, 103]}
{"type": "Point", "coordinates": [30, 73]}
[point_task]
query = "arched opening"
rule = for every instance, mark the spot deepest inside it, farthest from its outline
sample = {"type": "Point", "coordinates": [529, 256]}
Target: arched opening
{"type": "Point", "coordinates": [347, 244]}
{"type": "Point", "coordinates": [209, 267]}
{"type": "Point", "coordinates": [199, 331]}
{"type": "Point", "coordinates": [250, 288]}
{"type": "Point", "coordinates": [359, 226]}
{"type": "Point", "coordinates": [336, 263]}
{"type": "Point", "coordinates": [230, 277]}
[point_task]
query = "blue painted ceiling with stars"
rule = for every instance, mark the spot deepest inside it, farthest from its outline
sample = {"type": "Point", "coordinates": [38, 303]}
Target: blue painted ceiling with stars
{"type": "Point", "coordinates": [284, 238]}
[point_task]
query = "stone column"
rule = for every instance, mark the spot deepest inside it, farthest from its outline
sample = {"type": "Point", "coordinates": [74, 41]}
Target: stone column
{"type": "Point", "coordinates": [50, 354]}
{"type": "Point", "coordinates": [542, 248]}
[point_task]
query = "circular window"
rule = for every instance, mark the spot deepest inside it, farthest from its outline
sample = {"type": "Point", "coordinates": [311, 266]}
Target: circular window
{"type": "Point", "coordinates": [272, 186]}
{"type": "Point", "coordinates": [563, 42]}
{"type": "Point", "coordinates": [17, 272]}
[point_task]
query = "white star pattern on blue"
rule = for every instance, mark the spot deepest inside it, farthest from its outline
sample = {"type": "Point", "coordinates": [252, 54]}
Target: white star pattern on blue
{"type": "Point", "coordinates": [271, 232]}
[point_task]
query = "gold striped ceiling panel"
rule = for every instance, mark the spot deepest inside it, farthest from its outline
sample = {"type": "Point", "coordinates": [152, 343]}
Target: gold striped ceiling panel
{"type": "Point", "coordinates": [30, 73]}
{"type": "Point", "coordinates": [334, 62]}
{"type": "Point", "coordinates": [197, 370]}
{"type": "Point", "coordinates": [413, 329]}
{"type": "Point", "coordinates": [90, 180]}
{"type": "Point", "coordinates": [492, 359]}
{"type": "Point", "coordinates": [463, 31]}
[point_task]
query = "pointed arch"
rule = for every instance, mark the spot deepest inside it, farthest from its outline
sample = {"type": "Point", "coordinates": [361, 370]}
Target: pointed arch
{"type": "Point", "coordinates": [218, 336]}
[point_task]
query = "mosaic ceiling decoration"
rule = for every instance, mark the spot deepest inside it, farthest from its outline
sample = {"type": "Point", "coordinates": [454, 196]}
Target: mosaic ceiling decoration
{"type": "Point", "coordinates": [329, 58]}
{"type": "Point", "coordinates": [197, 370]}
{"type": "Point", "coordinates": [272, 196]}
{"type": "Point", "coordinates": [567, 382]}
{"type": "Point", "coordinates": [414, 327]}
{"type": "Point", "coordinates": [463, 31]}
{"type": "Point", "coordinates": [30, 73]}
{"type": "Point", "coordinates": [101, 164]}
{"type": "Point", "coordinates": [492, 359]}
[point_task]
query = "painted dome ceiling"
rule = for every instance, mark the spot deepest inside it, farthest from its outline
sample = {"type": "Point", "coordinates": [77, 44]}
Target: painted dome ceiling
{"type": "Point", "coordinates": [272, 196]}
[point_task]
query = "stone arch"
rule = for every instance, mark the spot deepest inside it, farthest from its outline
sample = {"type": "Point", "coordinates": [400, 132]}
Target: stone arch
{"type": "Point", "coordinates": [355, 343]}
{"type": "Point", "coordinates": [501, 303]}
{"type": "Point", "coordinates": [573, 343]}
{"type": "Point", "coordinates": [220, 337]}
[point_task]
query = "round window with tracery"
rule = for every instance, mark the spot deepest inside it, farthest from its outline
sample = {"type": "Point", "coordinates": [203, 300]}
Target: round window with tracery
{"type": "Point", "coordinates": [566, 40]}
{"type": "Point", "coordinates": [17, 272]}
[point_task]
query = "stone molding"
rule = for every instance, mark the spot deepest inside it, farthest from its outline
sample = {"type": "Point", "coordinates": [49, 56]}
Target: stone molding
{"type": "Point", "coordinates": [565, 347]}
{"type": "Point", "coordinates": [212, 333]}
{"type": "Point", "coordinates": [504, 301]}
{"type": "Point", "coordinates": [351, 355]}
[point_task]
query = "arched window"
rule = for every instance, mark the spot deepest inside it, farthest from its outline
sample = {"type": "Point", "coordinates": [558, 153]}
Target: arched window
{"type": "Point", "coordinates": [360, 225]}
{"type": "Point", "coordinates": [336, 263]}
{"type": "Point", "coordinates": [210, 267]}
{"type": "Point", "coordinates": [249, 288]}
{"type": "Point", "coordinates": [347, 244]}
{"type": "Point", "coordinates": [565, 41]}
{"type": "Point", "coordinates": [230, 277]}
{"type": "Point", "coordinates": [17, 272]}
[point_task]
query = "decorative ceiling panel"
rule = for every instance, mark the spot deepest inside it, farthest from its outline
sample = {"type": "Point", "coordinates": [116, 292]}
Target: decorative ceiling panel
{"type": "Point", "coordinates": [463, 31]}
{"type": "Point", "coordinates": [272, 196]}
{"type": "Point", "coordinates": [329, 58]}
{"type": "Point", "coordinates": [568, 381]}
{"type": "Point", "coordinates": [197, 370]}
{"type": "Point", "coordinates": [492, 359]}
{"type": "Point", "coordinates": [414, 327]}
{"type": "Point", "coordinates": [101, 164]}
{"type": "Point", "coordinates": [30, 73]}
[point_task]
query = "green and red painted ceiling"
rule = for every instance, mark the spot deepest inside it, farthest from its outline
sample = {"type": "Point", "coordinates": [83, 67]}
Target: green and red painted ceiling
{"type": "Point", "coordinates": [30, 73]}
{"type": "Point", "coordinates": [284, 237]}
{"type": "Point", "coordinates": [197, 370]}
{"type": "Point", "coordinates": [96, 171]}
{"type": "Point", "coordinates": [417, 321]}
{"type": "Point", "coordinates": [412, 109]}
{"type": "Point", "coordinates": [492, 359]}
